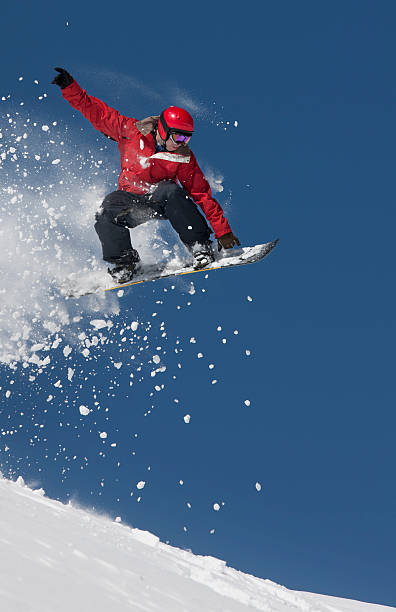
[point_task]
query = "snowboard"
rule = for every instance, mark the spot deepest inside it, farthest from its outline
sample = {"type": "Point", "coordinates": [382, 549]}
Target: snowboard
{"type": "Point", "coordinates": [227, 259]}
{"type": "Point", "coordinates": [76, 286]}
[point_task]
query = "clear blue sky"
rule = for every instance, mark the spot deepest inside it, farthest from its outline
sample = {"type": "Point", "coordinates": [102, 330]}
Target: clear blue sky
{"type": "Point", "coordinates": [312, 87]}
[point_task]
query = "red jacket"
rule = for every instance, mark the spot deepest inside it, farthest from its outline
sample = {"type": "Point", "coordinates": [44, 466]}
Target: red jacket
{"type": "Point", "coordinates": [141, 166]}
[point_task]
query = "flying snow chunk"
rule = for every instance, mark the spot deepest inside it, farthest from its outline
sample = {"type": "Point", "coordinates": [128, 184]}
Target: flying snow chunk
{"type": "Point", "coordinates": [187, 418]}
{"type": "Point", "coordinates": [66, 351]}
{"type": "Point", "coordinates": [117, 365]}
{"type": "Point", "coordinates": [249, 298]}
{"type": "Point", "coordinates": [55, 162]}
{"type": "Point", "coordinates": [37, 347]}
{"type": "Point", "coordinates": [85, 411]}
{"type": "Point", "coordinates": [134, 325]}
{"type": "Point", "coordinates": [156, 358]}
{"type": "Point", "coordinates": [258, 486]}
{"type": "Point", "coordinates": [103, 435]}
{"type": "Point", "coordinates": [98, 323]}
{"type": "Point", "coordinates": [235, 123]}
{"type": "Point", "coordinates": [216, 507]}
{"type": "Point", "coordinates": [45, 128]}
{"type": "Point", "coordinates": [141, 484]}
{"type": "Point", "coordinates": [247, 402]}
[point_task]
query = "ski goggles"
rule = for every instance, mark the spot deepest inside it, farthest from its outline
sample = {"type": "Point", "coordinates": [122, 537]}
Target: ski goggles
{"type": "Point", "coordinates": [179, 138]}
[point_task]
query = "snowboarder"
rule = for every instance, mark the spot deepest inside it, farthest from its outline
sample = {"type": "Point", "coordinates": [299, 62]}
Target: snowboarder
{"type": "Point", "coordinates": [160, 179]}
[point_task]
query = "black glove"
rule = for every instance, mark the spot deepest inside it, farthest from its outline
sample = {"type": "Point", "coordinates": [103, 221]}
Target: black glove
{"type": "Point", "coordinates": [227, 241]}
{"type": "Point", "coordinates": [63, 79]}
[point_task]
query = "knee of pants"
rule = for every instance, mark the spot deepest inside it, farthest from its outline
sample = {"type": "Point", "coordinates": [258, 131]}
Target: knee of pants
{"type": "Point", "coordinates": [110, 214]}
{"type": "Point", "coordinates": [103, 216]}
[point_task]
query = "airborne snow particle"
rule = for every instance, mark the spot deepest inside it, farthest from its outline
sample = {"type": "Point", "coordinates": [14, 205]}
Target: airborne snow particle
{"type": "Point", "coordinates": [141, 484]}
{"type": "Point", "coordinates": [235, 123]}
{"type": "Point", "coordinates": [200, 355]}
{"type": "Point", "coordinates": [103, 435]}
{"type": "Point", "coordinates": [55, 162]}
{"type": "Point", "coordinates": [134, 325]}
{"type": "Point", "coordinates": [84, 411]}
{"type": "Point", "coordinates": [216, 507]}
{"type": "Point", "coordinates": [156, 358]}
{"type": "Point", "coordinates": [98, 323]}
{"type": "Point", "coordinates": [187, 418]}
{"type": "Point", "coordinates": [258, 486]}
{"type": "Point", "coordinates": [67, 350]}
{"type": "Point", "coordinates": [117, 365]}
{"type": "Point", "coordinates": [249, 298]}
{"type": "Point", "coordinates": [45, 128]}
{"type": "Point", "coordinates": [247, 402]}
{"type": "Point", "coordinates": [247, 352]}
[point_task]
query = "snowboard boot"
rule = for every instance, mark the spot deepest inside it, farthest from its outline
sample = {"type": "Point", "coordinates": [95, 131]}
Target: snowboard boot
{"type": "Point", "coordinates": [122, 274]}
{"type": "Point", "coordinates": [202, 255]}
{"type": "Point", "coordinates": [124, 267]}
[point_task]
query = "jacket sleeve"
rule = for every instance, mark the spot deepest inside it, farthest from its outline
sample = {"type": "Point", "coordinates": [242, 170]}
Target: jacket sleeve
{"type": "Point", "coordinates": [192, 179]}
{"type": "Point", "coordinates": [103, 117]}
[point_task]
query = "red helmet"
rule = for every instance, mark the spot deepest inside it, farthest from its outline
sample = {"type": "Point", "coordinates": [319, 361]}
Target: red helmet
{"type": "Point", "coordinates": [177, 119]}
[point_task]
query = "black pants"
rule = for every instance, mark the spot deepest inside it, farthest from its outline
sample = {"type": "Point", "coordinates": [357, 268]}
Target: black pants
{"type": "Point", "coordinates": [122, 210]}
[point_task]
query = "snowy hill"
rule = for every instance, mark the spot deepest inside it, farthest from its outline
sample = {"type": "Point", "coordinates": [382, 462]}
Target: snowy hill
{"type": "Point", "coordinates": [55, 557]}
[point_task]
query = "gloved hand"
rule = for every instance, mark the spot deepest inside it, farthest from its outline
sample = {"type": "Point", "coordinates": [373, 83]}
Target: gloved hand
{"type": "Point", "coordinates": [63, 79]}
{"type": "Point", "coordinates": [227, 241]}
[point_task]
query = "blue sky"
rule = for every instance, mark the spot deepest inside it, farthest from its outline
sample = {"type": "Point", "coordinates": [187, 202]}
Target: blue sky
{"type": "Point", "coordinates": [311, 161]}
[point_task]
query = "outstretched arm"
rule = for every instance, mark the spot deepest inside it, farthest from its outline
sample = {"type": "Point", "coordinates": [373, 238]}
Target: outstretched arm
{"type": "Point", "coordinates": [104, 118]}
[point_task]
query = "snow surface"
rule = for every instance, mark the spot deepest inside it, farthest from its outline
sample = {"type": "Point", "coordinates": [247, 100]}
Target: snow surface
{"type": "Point", "coordinates": [57, 557]}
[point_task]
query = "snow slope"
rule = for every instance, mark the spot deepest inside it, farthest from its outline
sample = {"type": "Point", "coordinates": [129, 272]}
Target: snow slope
{"type": "Point", "coordinates": [56, 557]}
